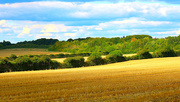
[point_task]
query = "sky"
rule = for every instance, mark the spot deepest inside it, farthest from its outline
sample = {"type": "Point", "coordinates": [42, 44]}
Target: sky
{"type": "Point", "coordinates": [22, 20]}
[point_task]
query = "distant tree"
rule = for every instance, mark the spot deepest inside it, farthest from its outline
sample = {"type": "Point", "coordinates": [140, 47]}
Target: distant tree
{"type": "Point", "coordinates": [23, 63]}
{"type": "Point", "coordinates": [5, 65]}
{"type": "Point", "coordinates": [74, 61]}
{"type": "Point", "coordinates": [69, 40]}
{"type": "Point", "coordinates": [133, 40]}
{"type": "Point", "coordinates": [165, 52]}
{"type": "Point", "coordinates": [1, 46]}
{"type": "Point", "coordinates": [115, 56]}
{"type": "Point", "coordinates": [143, 54]}
{"type": "Point", "coordinates": [95, 59]}
{"type": "Point", "coordinates": [13, 57]}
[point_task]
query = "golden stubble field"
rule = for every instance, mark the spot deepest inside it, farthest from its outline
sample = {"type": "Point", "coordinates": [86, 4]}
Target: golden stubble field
{"type": "Point", "coordinates": [25, 51]}
{"type": "Point", "coordinates": [150, 80]}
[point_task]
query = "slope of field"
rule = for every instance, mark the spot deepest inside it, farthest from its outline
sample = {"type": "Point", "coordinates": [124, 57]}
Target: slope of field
{"type": "Point", "coordinates": [25, 51]}
{"type": "Point", "coordinates": [150, 80]}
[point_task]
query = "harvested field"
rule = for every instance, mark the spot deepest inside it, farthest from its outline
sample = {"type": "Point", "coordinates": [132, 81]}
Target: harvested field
{"type": "Point", "coordinates": [25, 51]}
{"type": "Point", "coordinates": [149, 80]}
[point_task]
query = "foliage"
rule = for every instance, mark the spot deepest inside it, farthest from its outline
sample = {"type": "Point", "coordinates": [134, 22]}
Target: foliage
{"type": "Point", "coordinates": [144, 54]}
{"type": "Point", "coordinates": [12, 57]}
{"type": "Point", "coordinates": [74, 62]}
{"type": "Point", "coordinates": [4, 65]}
{"type": "Point", "coordinates": [115, 56]}
{"type": "Point", "coordinates": [128, 44]}
{"type": "Point", "coordinates": [116, 53]}
{"type": "Point", "coordinates": [177, 53]}
{"type": "Point", "coordinates": [39, 43]}
{"type": "Point", "coordinates": [95, 59]}
{"type": "Point", "coordinates": [166, 52]}
{"type": "Point", "coordinates": [25, 63]}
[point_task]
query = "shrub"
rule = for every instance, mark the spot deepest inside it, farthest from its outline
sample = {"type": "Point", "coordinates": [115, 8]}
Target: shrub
{"type": "Point", "coordinates": [166, 52]}
{"type": "Point", "coordinates": [116, 53]}
{"type": "Point", "coordinates": [74, 62]}
{"type": "Point", "coordinates": [23, 63]}
{"type": "Point", "coordinates": [5, 65]}
{"type": "Point", "coordinates": [134, 57]}
{"type": "Point", "coordinates": [144, 54]}
{"type": "Point", "coordinates": [95, 59]}
{"type": "Point", "coordinates": [12, 57]}
{"type": "Point", "coordinates": [56, 65]}
{"type": "Point", "coordinates": [60, 55]}
{"type": "Point", "coordinates": [177, 53]}
{"type": "Point", "coordinates": [115, 56]}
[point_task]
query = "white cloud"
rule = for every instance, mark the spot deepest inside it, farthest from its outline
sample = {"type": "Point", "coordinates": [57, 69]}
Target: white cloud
{"type": "Point", "coordinates": [25, 31]}
{"type": "Point", "coordinates": [98, 28]}
{"type": "Point", "coordinates": [178, 32]}
{"type": "Point", "coordinates": [79, 14]}
{"type": "Point", "coordinates": [45, 35]}
{"type": "Point", "coordinates": [166, 32]}
{"type": "Point", "coordinates": [2, 22]}
{"type": "Point", "coordinates": [60, 11]}
{"type": "Point", "coordinates": [50, 28]}
{"type": "Point", "coordinates": [70, 34]}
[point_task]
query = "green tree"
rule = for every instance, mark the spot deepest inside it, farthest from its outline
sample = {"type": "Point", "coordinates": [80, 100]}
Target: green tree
{"type": "Point", "coordinates": [95, 59]}
{"type": "Point", "coordinates": [74, 61]}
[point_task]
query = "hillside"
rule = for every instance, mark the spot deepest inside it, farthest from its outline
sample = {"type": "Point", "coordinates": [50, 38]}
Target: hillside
{"type": "Point", "coordinates": [127, 45]}
{"type": "Point", "coordinates": [138, 80]}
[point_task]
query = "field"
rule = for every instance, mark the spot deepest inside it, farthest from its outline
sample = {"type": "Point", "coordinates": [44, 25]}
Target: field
{"type": "Point", "coordinates": [61, 60]}
{"type": "Point", "coordinates": [150, 80]}
{"type": "Point", "coordinates": [25, 51]}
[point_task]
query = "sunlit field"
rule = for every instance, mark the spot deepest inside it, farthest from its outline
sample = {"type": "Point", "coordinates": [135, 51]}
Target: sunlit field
{"type": "Point", "coordinates": [25, 51]}
{"type": "Point", "coordinates": [61, 60]}
{"type": "Point", "coordinates": [150, 80]}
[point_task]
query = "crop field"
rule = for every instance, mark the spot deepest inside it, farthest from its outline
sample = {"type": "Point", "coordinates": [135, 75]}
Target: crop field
{"type": "Point", "coordinates": [149, 80]}
{"type": "Point", "coordinates": [25, 51]}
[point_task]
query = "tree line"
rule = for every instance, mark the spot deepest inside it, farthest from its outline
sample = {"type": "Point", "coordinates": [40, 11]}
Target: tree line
{"type": "Point", "coordinates": [128, 44]}
{"type": "Point", "coordinates": [39, 43]}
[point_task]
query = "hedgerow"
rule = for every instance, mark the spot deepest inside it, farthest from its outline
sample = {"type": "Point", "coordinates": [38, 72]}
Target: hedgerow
{"type": "Point", "coordinates": [43, 62]}
{"type": "Point", "coordinates": [166, 52]}
{"type": "Point", "coordinates": [74, 62]}
{"type": "Point", "coordinates": [95, 59]}
{"type": "Point", "coordinates": [115, 56]}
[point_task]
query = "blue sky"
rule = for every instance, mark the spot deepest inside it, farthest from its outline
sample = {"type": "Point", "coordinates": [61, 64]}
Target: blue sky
{"type": "Point", "coordinates": [63, 19]}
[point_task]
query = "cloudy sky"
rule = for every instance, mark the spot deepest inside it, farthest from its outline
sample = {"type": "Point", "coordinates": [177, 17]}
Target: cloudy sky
{"type": "Point", "coordinates": [63, 19]}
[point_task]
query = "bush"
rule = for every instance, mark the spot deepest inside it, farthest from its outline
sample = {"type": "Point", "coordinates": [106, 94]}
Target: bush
{"type": "Point", "coordinates": [74, 62]}
{"type": "Point", "coordinates": [56, 65]}
{"type": "Point", "coordinates": [12, 57]}
{"type": "Point", "coordinates": [144, 54]}
{"type": "Point", "coordinates": [95, 59]}
{"type": "Point", "coordinates": [177, 53]}
{"type": "Point", "coordinates": [134, 57]}
{"type": "Point", "coordinates": [115, 56]}
{"type": "Point", "coordinates": [166, 52]}
{"type": "Point", "coordinates": [60, 55]}
{"type": "Point", "coordinates": [5, 65]}
{"type": "Point", "coordinates": [23, 63]}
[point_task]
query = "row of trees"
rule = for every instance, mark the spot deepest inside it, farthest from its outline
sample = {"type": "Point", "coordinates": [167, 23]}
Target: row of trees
{"type": "Point", "coordinates": [39, 43]}
{"type": "Point", "coordinates": [25, 63]}
{"type": "Point", "coordinates": [128, 44]}
{"type": "Point", "coordinates": [30, 62]}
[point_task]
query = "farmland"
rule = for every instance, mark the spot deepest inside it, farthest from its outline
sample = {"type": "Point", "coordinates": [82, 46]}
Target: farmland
{"type": "Point", "coordinates": [137, 80]}
{"type": "Point", "coordinates": [25, 51]}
